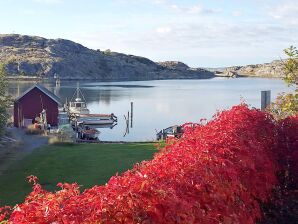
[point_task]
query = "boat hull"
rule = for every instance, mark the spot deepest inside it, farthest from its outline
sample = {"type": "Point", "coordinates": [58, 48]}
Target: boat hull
{"type": "Point", "coordinates": [79, 111]}
{"type": "Point", "coordinates": [90, 135]}
{"type": "Point", "coordinates": [93, 119]}
{"type": "Point", "coordinates": [95, 122]}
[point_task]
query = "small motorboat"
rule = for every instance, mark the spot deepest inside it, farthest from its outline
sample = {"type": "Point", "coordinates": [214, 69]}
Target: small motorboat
{"type": "Point", "coordinates": [173, 131]}
{"type": "Point", "coordinates": [97, 119]}
{"type": "Point", "coordinates": [103, 126]}
{"type": "Point", "coordinates": [87, 133]}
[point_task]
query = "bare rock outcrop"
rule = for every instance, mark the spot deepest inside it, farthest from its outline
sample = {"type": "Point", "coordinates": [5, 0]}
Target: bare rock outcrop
{"type": "Point", "coordinates": [174, 65]}
{"type": "Point", "coordinates": [272, 70]}
{"type": "Point", "coordinates": [30, 56]}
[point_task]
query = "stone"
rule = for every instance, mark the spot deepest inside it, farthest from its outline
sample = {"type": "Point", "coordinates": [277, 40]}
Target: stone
{"type": "Point", "coordinates": [274, 69]}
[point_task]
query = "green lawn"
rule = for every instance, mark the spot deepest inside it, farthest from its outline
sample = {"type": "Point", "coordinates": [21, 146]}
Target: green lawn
{"type": "Point", "coordinates": [86, 164]}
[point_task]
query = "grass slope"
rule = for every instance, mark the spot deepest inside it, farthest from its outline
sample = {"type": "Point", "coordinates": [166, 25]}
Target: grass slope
{"type": "Point", "coordinates": [86, 164]}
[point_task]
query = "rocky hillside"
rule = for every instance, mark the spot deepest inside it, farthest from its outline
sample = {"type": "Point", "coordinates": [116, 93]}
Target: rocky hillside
{"type": "Point", "coordinates": [273, 69]}
{"type": "Point", "coordinates": [30, 56]}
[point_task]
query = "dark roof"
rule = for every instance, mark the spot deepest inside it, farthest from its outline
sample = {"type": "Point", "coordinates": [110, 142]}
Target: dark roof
{"type": "Point", "coordinates": [44, 90]}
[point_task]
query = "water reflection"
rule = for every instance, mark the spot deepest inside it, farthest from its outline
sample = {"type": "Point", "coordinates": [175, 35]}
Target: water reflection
{"type": "Point", "coordinates": [160, 104]}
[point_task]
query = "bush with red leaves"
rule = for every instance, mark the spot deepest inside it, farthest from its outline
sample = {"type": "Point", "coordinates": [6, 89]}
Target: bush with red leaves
{"type": "Point", "coordinates": [288, 150]}
{"type": "Point", "coordinates": [216, 173]}
{"type": "Point", "coordinates": [282, 207]}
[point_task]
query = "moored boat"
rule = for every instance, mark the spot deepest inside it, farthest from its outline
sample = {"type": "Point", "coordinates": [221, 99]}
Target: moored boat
{"type": "Point", "coordinates": [79, 113]}
{"type": "Point", "coordinates": [78, 105]}
{"type": "Point", "coordinates": [173, 131]}
{"type": "Point", "coordinates": [97, 119]}
{"type": "Point", "coordinates": [89, 133]}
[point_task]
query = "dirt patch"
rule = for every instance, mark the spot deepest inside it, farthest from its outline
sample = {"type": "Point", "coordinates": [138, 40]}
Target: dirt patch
{"type": "Point", "coordinates": [19, 146]}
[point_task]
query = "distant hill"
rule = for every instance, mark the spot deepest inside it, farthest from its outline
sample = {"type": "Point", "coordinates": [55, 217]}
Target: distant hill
{"type": "Point", "coordinates": [271, 70]}
{"type": "Point", "coordinates": [31, 56]}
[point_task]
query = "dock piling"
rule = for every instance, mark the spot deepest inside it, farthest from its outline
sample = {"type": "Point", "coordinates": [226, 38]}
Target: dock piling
{"type": "Point", "coordinates": [265, 99]}
{"type": "Point", "coordinates": [131, 114]}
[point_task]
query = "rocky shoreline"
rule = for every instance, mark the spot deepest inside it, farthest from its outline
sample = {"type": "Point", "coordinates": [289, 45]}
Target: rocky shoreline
{"type": "Point", "coordinates": [274, 69]}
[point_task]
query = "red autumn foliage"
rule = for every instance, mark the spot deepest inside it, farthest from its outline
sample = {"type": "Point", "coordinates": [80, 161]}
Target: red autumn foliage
{"type": "Point", "coordinates": [216, 173]}
{"type": "Point", "coordinates": [288, 150]}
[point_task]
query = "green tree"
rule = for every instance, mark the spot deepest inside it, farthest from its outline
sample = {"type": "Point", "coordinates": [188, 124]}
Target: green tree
{"type": "Point", "coordinates": [287, 104]}
{"type": "Point", "coordinates": [107, 52]}
{"type": "Point", "coordinates": [291, 66]}
{"type": "Point", "coordinates": [4, 100]}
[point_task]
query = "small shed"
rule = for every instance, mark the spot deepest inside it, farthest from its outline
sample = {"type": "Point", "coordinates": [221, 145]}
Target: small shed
{"type": "Point", "coordinates": [32, 102]}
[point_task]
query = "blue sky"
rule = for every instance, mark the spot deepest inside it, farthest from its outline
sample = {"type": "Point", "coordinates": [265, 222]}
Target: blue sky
{"type": "Point", "coordinates": [211, 33]}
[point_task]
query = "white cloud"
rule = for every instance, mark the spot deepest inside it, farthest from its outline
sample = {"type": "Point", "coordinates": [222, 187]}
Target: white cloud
{"type": "Point", "coordinates": [204, 36]}
{"type": "Point", "coordinates": [49, 1]}
{"type": "Point", "coordinates": [158, 1]}
{"type": "Point", "coordinates": [201, 44]}
{"type": "Point", "coordinates": [194, 9]}
{"type": "Point", "coordinates": [237, 13]}
{"type": "Point", "coordinates": [163, 30]}
{"type": "Point", "coordinates": [285, 12]}
{"type": "Point", "coordinates": [217, 35]}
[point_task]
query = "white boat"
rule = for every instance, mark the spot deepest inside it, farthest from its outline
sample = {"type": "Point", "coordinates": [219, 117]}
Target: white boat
{"type": "Point", "coordinates": [97, 119]}
{"type": "Point", "coordinates": [78, 106]}
{"type": "Point", "coordinates": [79, 112]}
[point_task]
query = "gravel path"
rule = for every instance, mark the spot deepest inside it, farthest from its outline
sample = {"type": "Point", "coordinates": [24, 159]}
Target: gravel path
{"type": "Point", "coordinates": [16, 150]}
{"type": "Point", "coordinates": [29, 142]}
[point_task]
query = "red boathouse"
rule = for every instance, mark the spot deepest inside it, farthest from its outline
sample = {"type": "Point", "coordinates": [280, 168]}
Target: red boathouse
{"type": "Point", "coordinates": [30, 104]}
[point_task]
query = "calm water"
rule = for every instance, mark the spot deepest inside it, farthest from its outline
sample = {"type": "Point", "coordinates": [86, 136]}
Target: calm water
{"type": "Point", "coordinates": [160, 104]}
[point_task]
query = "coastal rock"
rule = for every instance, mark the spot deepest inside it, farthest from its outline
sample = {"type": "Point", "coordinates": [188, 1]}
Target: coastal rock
{"type": "Point", "coordinates": [30, 56]}
{"type": "Point", "coordinates": [272, 70]}
{"type": "Point", "coordinates": [29, 68]}
{"type": "Point", "coordinates": [174, 65]}
{"type": "Point", "coordinates": [227, 73]}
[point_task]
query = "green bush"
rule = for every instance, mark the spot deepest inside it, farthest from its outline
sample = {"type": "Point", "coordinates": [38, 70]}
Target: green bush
{"type": "Point", "coordinates": [287, 104]}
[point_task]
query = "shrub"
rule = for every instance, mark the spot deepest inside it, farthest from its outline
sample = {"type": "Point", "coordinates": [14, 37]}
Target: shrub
{"type": "Point", "coordinates": [216, 173]}
{"type": "Point", "coordinates": [287, 104]}
{"type": "Point", "coordinates": [288, 151]}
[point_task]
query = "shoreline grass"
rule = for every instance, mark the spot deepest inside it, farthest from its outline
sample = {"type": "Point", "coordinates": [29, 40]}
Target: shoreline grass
{"type": "Point", "coordinates": [85, 164]}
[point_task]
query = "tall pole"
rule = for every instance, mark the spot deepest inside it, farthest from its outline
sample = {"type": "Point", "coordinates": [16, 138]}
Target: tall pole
{"type": "Point", "coordinates": [127, 122]}
{"type": "Point", "coordinates": [131, 113]}
{"type": "Point", "coordinates": [78, 95]}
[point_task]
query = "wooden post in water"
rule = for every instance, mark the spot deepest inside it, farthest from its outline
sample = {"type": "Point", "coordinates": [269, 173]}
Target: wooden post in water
{"type": "Point", "coordinates": [265, 99]}
{"type": "Point", "coordinates": [131, 113]}
{"type": "Point", "coordinates": [127, 122]}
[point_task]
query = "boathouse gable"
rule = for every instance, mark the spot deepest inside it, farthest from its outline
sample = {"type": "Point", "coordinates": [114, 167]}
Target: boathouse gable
{"type": "Point", "coordinates": [30, 104]}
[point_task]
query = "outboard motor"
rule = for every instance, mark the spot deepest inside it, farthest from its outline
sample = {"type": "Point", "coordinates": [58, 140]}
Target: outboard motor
{"type": "Point", "coordinates": [159, 135]}
{"type": "Point", "coordinates": [114, 117]}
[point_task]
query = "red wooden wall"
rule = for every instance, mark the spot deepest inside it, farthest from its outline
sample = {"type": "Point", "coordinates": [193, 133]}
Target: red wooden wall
{"type": "Point", "coordinates": [31, 104]}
